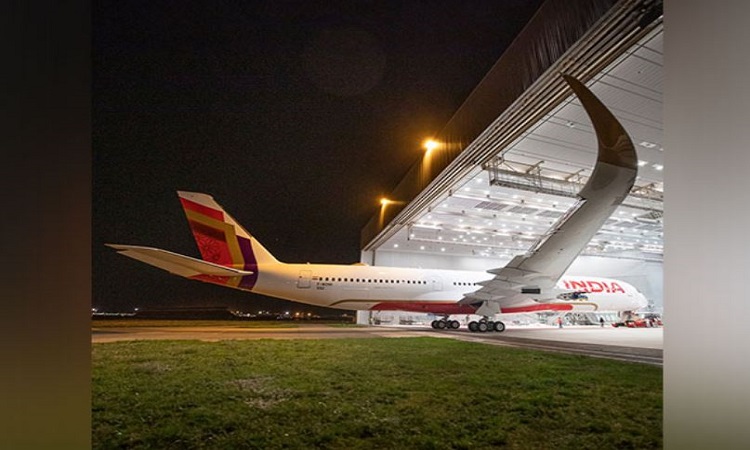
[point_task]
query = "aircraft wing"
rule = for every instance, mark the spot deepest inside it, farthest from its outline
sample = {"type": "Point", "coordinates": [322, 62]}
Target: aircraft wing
{"type": "Point", "coordinates": [175, 263]}
{"type": "Point", "coordinates": [533, 276]}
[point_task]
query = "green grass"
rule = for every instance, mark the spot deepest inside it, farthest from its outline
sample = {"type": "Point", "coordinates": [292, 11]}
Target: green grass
{"type": "Point", "coordinates": [367, 393]}
{"type": "Point", "coordinates": [138, 323]}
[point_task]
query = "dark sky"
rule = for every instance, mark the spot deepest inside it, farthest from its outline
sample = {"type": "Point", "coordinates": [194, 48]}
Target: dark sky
{"type": "Point", "coordinates": [295, 115]}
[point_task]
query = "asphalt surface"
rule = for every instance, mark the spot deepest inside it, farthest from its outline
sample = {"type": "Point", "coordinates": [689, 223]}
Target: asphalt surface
{"type": "Point", "coordinates": [641, 345]}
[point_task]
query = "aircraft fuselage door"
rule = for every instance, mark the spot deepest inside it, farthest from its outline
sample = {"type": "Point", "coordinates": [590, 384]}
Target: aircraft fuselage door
{"type": "Point", "coordinates": [436, 284]}
{"type": "Point", "coordinates": [303, 281]}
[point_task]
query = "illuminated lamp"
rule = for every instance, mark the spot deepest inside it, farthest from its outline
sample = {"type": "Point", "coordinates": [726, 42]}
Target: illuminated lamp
{"type": "Point", "coordinates": [430, 145]}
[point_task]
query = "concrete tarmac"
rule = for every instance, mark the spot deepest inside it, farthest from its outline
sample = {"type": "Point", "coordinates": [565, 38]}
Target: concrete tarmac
{"type": "Point", "coordinates": [643, 345]}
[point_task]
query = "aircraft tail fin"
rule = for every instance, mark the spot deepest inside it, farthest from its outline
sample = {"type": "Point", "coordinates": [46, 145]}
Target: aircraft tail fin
{"type": "Point", "coordinates": [221, 240]}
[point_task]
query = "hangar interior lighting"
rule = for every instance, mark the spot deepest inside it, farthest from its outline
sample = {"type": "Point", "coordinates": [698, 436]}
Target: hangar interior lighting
{"type": "Point", "coordinates": [430, 144]}
{"type": "Point", "coordinates": [519, 187]}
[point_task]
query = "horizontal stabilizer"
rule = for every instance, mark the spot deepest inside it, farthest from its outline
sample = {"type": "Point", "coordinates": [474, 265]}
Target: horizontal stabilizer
{"type": "Point", "coordinates": [175, 263]}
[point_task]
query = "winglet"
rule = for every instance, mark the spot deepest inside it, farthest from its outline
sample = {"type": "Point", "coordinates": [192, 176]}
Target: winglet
{"type": "Point", "coordinates": [609, 184]}
{"type": "Point", "coordinates": [615, 146]}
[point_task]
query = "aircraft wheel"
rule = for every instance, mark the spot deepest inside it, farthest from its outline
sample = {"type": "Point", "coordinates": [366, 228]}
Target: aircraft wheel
{"type": "Point", "coordinates": [482, 327]}
{"type": "Point", "coordinates": [440, 324]}
{"type": "Point", "coordinates": [499, 327]}
{"type": "Point", "coordinates": [454, 324]}
{"type": "Point", "coordinates": [490, 326]}
{"type": "Point", "coordinates": [473, 326]}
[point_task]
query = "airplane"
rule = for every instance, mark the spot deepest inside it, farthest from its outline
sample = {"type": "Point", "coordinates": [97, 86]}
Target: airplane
{"type": "Point", "coordinates": [532, 282]}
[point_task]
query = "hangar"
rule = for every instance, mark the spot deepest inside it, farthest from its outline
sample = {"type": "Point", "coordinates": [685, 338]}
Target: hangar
{"type": "Point", "coordinates": [513, 156]}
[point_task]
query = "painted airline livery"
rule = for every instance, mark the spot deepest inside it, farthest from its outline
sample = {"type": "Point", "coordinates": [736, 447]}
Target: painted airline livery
{"type": "Point", "coordinates": [532, 282]}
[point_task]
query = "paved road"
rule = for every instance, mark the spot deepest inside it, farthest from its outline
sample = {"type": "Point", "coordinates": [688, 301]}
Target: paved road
{"type": "Point", "coordinates": [643, 345]}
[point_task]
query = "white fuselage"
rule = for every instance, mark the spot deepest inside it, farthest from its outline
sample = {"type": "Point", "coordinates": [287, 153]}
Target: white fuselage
{"type": "Point", "coordinates": [430, 290]}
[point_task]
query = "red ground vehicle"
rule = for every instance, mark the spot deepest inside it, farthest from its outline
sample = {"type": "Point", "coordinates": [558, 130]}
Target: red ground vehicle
{"type": "Point", "coordinates": [639, 323]}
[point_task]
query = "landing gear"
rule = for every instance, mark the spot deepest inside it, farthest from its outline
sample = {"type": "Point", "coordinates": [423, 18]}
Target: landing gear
{"type": "Point", "coordinates": [485, 325]}
{"type": "Point", "coordinates": [482, 326]}
{"type": "Point", "coordinates": [444, 324]}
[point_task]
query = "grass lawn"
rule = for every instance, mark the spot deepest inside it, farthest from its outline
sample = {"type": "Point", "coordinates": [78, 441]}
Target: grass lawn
{"type": "Point", "coordinates": [139, 323]}
{"type": "Point", "coordinates": [426, 393]}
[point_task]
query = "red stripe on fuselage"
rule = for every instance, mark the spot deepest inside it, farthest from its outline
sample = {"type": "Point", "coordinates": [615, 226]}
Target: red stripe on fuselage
{"type": "Point", "coordinates": [455, 308]}
{"type": "Point", "coordinates": [535, 308]}
{"type": "Point", "coordinates": [425, 307]}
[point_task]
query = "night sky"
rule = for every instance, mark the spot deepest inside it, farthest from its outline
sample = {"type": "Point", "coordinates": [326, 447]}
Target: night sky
{"type": "Point", "coordinates": [295, 115]}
